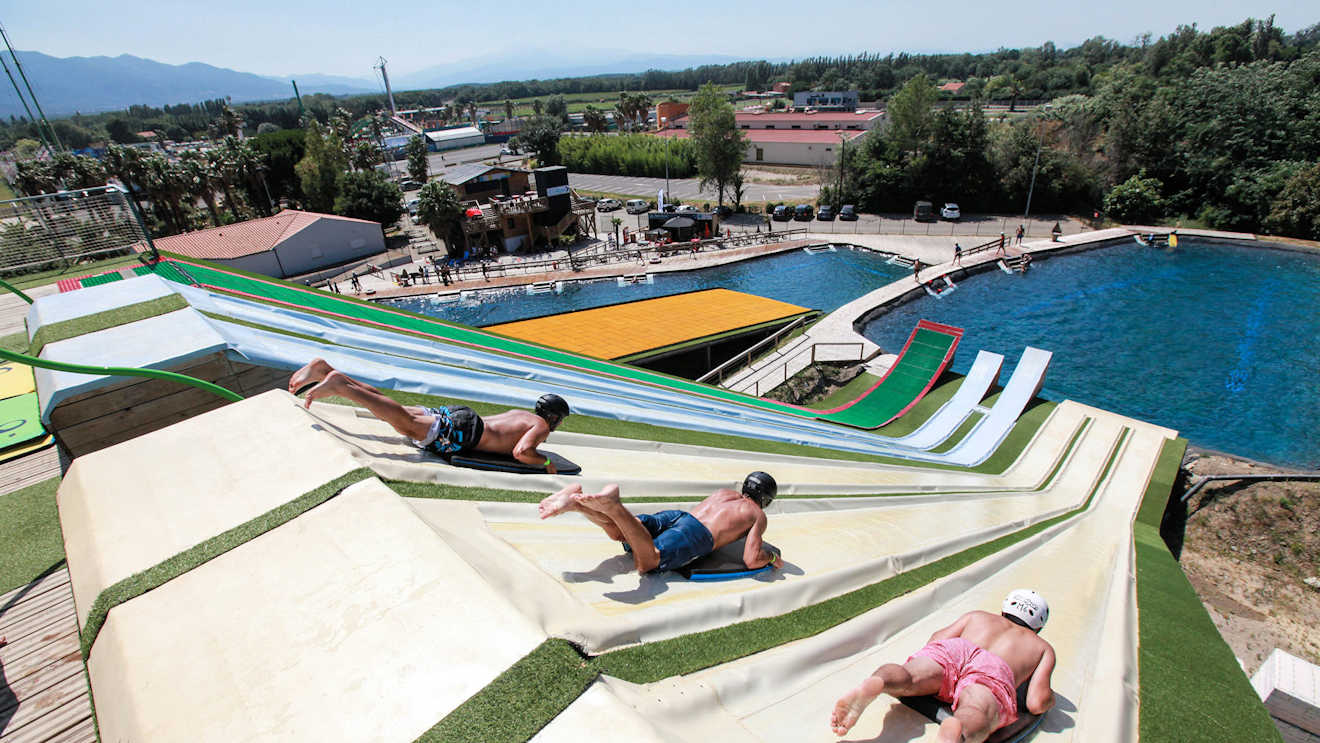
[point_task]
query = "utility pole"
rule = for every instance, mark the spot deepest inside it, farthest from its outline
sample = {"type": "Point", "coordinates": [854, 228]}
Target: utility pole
{"type": "Point", "coordinates": [843, 151]}
{"type": "Point", "coordinates": [380, 65]}
{"type": "Point", "coordinates": [1040, 142]}
{"type": "Point", "coordinates": [666, 169]}
{"type": "Point", "coordinates": [54, 137]}
{"type": "Point", "coordinates": [301, 110]}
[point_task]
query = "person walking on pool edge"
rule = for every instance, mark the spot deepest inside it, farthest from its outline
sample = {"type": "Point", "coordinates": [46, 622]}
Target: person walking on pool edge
{"type": "Point", "coordinates": [975, 664]}
{"type": "Point", "coordinates": [668, 540]}
{"type": "Point", "coordinates": [447, 431]}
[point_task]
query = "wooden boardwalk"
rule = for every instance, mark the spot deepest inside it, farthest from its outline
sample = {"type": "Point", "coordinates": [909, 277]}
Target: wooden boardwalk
{"type": "Point", "coordinates": [43, 689]}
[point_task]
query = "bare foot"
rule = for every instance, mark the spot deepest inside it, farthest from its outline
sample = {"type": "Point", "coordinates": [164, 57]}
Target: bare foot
{"type": "Point", "coordinates": [559, 502]}
{"type": "Point", "coordinates": [848, 709]}
{"type": "Point", "coordinates": [313, 373]}
{"type": "Point", "coordinates": [602, 502]}
{"type": "Point", "coordinates": [329, 386]}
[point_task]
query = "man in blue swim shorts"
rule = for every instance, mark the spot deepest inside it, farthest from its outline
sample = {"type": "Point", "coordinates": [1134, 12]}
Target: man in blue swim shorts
{"type": "Point", "coordinates": [668, 540]}
{"type": "Point", "coordinates": [443, 431]}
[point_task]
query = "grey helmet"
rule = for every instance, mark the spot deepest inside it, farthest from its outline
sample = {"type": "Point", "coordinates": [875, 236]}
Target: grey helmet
{"type": "Point", "coordinates": [760, 487]}
{"type": "Point", "coordinates": [552, 408]}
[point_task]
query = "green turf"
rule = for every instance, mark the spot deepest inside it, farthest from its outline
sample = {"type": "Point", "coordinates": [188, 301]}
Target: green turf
{"type": "Point", "coordinates": [171, 568]}
{"type": "Point", "coordinates": [16, 342]}
{"type": "Point", "coordinates": [74, 327]}
{"type": "Point", "coordinates": [42, 278]}
{"type": "Point", "coordinates": [30, 538]}
{"type": "Point", "coordinates": [1192, 688]}
{"type": "Point", "coordinates": [1160, 487]}
{"type": "Point", "coordinates": [520, 701]}
{"type": "Point", "coordinates": [104, 278]}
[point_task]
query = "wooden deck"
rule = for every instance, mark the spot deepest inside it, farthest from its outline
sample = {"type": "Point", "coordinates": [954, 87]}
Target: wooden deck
{"type": "Point", "coordinates": [43, 689]}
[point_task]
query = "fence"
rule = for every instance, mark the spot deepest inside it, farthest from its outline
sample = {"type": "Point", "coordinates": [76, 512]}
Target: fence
{"type": "Point", "coordinates": [780, 373]}
{"type": "Point", "coordinates": [60, 229]}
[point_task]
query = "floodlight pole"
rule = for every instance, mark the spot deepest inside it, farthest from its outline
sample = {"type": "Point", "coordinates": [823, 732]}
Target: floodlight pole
{"type": "Point", "coordinates": [1040, 142]}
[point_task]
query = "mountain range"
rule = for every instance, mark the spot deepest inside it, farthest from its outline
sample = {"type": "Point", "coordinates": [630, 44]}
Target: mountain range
{"type": "Point", "coordinates": [68, 85]}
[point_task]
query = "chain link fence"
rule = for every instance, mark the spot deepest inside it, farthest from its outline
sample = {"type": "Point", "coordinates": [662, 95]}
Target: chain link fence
{"type": "Point", "coordinates": [58, 230]}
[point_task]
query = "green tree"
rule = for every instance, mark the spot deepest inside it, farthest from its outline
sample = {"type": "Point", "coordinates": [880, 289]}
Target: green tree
{"type": "Point", "coordinates": [1138, 199]}
{"type": "Point", "coordinates": [540, 135]}
{"type": "Point", "coordinates": [718, 144]}
{"type": "Point", "coordinates": [369, 194]}
{"type": "Point", "coordinates": [417, 163]}
{"type": "Point", "coordinates": [556, 106]}
{"type": "Point", "coordinates": [508, 110]}
{"type": "Point", "coordinates": [439, 209]}
{"type": "Point", "coordinates": [319, 170]}
{"type": "Point", "coordinates": [282, 151]}
{"type": "Point", "coordinates": [911, 114]}
{"type": "Point", "coordinates": [121, 131]}
{"type": "Point", "coordinates": [1296, 211]}
{"type": "Point", "coordinates": [594, 119]}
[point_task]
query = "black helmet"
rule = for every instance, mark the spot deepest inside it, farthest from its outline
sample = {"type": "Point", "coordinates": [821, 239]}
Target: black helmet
{"type": "Point", "coordinates": [552, 406]}
{"type": "Point", "coordinates": [760, 487]}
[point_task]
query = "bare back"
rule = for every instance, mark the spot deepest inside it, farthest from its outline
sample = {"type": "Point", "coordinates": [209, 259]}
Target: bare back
{"type": "Point", "coordinates": [1020, 648]}
{"type": "Point", "coordinates": [728, 515]}
{"type": "Point", "coordinates": [512, 430]}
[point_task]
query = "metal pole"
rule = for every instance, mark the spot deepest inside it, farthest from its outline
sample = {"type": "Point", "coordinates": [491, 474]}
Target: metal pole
{"type": "Point", "coordinates": [23, 99]}
{"type": "Point", "coordinates": [55, 137]}
{"type": "Point", "coordinates": [667, 169]}
{"type": "Point", "coordinates": [1040, 142]}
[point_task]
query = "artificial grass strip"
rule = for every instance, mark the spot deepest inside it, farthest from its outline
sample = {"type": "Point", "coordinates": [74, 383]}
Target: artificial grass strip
{"type": "Point", "coordinates": [690, 653]}
{"type": "Point", "coordinates": [171, 568]}
{"type": "Point", "coordinates": [1160, 488]}
{"type": "Point", "coordinates": [74, 327]}
{"type": "Point", "coordinates": [16, 342]}
{"type": "Point", "coordinates": [846, 394]}
{"type": "Point", "coordinates": [30, 538]}
{"type": "Point", "coordinates": [1192, 687]}
{"type": "Point", "coordinates": [520, 701]}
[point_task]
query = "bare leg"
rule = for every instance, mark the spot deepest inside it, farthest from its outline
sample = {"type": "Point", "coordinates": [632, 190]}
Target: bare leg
{"type": "Point", "coordinates": [918, 676]}
{"type": "Point", "coordinates": [406, 421]}
{"type": "Point", "coordinates": [606, 503]}
{"type": "Point", "coordinates": [976, 717]}
{"type": "Point", "coordinates": [565, 500]}
{"type": "Point", "coordinates": [314, 372]}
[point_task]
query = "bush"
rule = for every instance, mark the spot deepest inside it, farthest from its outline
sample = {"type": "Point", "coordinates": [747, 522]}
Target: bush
{"type": "Point", "coordinates": [1137, 199]}
{"type": "Point", "coordinates": [628, 154]}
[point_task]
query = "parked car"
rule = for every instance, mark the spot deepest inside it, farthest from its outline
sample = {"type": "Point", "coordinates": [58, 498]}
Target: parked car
{"type": "Point", "coordinates": [410, 185]}
{"type": "Point", "coordinates": [923, 211]}
{"type": "Point", "coordinates": [951, 212]}
{"type": "Point", "coordinates": [687, 209]}
{"type": "Point", "coordinates": [637, 206]}
{"type": "Point", "coordinates": [783, 213]}
{"type": "Point", "coordinates": [848, 213]}
{"type": "Point", "coordinates": [670, 208]}
{"type": "Point", "coordinates": [723, 210]}
{"type": "Point", "coordinates": [804, 212]}
{"type": "Point", "coordinates": [507, 150]}
{"type": "Point", "coordinates": [608, 205]}
{"type": "Point", "coordinates": [412, 205]}
{"type": "Point", "coordinates": [825, 213]}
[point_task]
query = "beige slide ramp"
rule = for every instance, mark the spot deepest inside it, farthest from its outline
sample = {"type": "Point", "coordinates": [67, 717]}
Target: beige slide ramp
{"type": "Point", "coordinates": [353, 622]}
{"type": "Point", "coordinates": [135, 504]}
{"type": "Point", "coordinates": [676, 470]}
{"type": "Point", "coordinates": [1084, 567]}
{"type": "Point", "coordinates": [581, 586]}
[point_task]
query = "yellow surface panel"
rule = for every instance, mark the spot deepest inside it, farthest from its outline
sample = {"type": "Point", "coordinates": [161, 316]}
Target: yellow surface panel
{"type": "Point", "coordinates": [626, 329]}
{"type": "Point", "coordinates": [15, 379]}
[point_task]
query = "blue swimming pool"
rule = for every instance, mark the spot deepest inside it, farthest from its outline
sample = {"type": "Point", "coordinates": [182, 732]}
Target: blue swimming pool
{"type": "Point", "coordinates": [1215, 340]}
{"type": "Point", "coordinates": [821, 281]}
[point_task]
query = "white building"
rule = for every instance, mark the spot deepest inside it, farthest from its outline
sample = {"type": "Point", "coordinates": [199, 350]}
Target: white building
{"type": "Point", "coordinates": [452, 139]}
{"type": "Point", "coordinates": [789, 147]}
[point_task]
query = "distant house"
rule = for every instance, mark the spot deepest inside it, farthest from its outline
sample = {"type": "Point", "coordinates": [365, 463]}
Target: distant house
{"type": "Point", "coordinates": [952, 88]}
{"type": "Point", "coordinates": [479, 182]}
{"type": "Point", "coordinates": [781, 87]}
{"type": "Point", "coordinates": [290, 243]}
{"type": "Point", "coordinates": [451, 139]}
{"type": "Point", "coordinates": [831, 100]}
{"type": "Point", "coordinates": [788, 147]}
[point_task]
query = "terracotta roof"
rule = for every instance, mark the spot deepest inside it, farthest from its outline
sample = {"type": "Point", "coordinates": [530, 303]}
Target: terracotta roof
{"type": "Point", "coordinates": [804, 136]}
{"type": "Point", "coordinates": [774, 117]}
{"type": "Point", "coordinates": [952, 87]}
{"type": "Point", "coordinates": [244, 238]}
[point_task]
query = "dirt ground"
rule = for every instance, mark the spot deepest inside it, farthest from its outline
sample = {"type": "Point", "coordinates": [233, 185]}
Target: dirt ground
{"type": "Point", "coordinates": [1248, 549]}
{"type": "Point", "coordinates": [782, 175]}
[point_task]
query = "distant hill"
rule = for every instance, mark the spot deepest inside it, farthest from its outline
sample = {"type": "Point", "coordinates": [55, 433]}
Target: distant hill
{"type": "Point", "coordinates": [89, 84]}
{"type": "Point", "coordinates": [543, 64]}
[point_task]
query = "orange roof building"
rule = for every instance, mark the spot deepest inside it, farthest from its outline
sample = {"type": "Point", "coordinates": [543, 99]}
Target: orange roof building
{"type": "Point", "coordinates": [291, 243]}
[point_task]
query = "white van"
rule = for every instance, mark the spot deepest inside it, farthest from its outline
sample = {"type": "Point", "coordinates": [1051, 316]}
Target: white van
{"type": "Point", "coordinates": [636, 206]}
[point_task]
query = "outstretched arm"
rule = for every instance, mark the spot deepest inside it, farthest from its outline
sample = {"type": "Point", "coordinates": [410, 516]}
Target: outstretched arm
{"type": "Point", "coordinates": [754, 553]}
{"type": "Point", "coordinates": [1040, 697]}
{"type": "Point", "coordinates": [525, 450]}
{"type": "Point", "coordinates": [953, 630]}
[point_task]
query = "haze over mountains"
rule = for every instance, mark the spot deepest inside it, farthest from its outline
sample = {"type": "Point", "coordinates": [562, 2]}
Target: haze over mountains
{"type": "Point", "coordinates": [68, 85]}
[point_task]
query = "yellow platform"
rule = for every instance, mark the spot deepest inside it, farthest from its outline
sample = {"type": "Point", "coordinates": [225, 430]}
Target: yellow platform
{"type": "Point", "coordinates": [624, 330]}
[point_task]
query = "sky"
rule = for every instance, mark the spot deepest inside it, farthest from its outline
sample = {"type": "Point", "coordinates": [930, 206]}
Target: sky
{"type": "Point", "coordinates": [345, 38]}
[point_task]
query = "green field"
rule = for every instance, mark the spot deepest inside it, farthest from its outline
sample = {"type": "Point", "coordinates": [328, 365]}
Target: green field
{"type": "Point", "coordinates": [578, 102]}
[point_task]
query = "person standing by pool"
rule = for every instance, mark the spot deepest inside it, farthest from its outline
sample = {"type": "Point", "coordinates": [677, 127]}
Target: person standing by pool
{"type": "Point", "coordinates": [957, 254]}
{"type": "Point", "coordinates": [916, 270]}
{"type": "Point", "coordinates": [1020, 232]}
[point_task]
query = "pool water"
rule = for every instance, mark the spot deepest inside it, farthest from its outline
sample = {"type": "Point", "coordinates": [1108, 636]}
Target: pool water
{"type": "Point", "coordinates": [820, 281]}
{"type": "Point", "coordinates": [1217, 341]}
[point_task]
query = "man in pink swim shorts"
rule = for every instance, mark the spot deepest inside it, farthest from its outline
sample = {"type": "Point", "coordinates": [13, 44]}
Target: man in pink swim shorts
{"type": "Point", "coordinates": [975, 664]}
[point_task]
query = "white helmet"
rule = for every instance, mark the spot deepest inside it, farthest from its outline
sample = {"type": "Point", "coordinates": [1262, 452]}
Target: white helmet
{"type": "Point", "coordinates": [1028, 607]}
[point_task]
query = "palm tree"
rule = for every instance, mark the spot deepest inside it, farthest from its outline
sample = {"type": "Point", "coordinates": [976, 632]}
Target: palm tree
{"type": "Point", "coordinates": [594, 119]}
{"type": "Point", "coordinates": [250, 167]}
{"type": "Point", "coordinates": [623, 111]}
{"type": "Point", "coordinates": [508, 110]}
{"type": "Point", "coordinates": [439, 209]}
{"type": "Point", "coordinates": [226, 170]}
{"type": "Point", "coordinates": [229, 123]}
{"type": "Point", "coordinates": [201, 179]}
{"type": "Point", "coordinates": [472, 112]}
{"type": "Point", "coordinates": [537, 106]}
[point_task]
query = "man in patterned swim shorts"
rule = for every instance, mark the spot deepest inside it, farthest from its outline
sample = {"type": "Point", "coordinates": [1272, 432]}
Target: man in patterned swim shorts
{"type": "Point", "coordinates": [443, 431]}
{"type": "Point", "coordinates": [975, 664]}
{"type": "Point", "coordinates": [668, 540]}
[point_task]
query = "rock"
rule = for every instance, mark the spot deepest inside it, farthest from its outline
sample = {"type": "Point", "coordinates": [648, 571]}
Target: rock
{"type": "Point", "coordinates": [1313, 582]}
